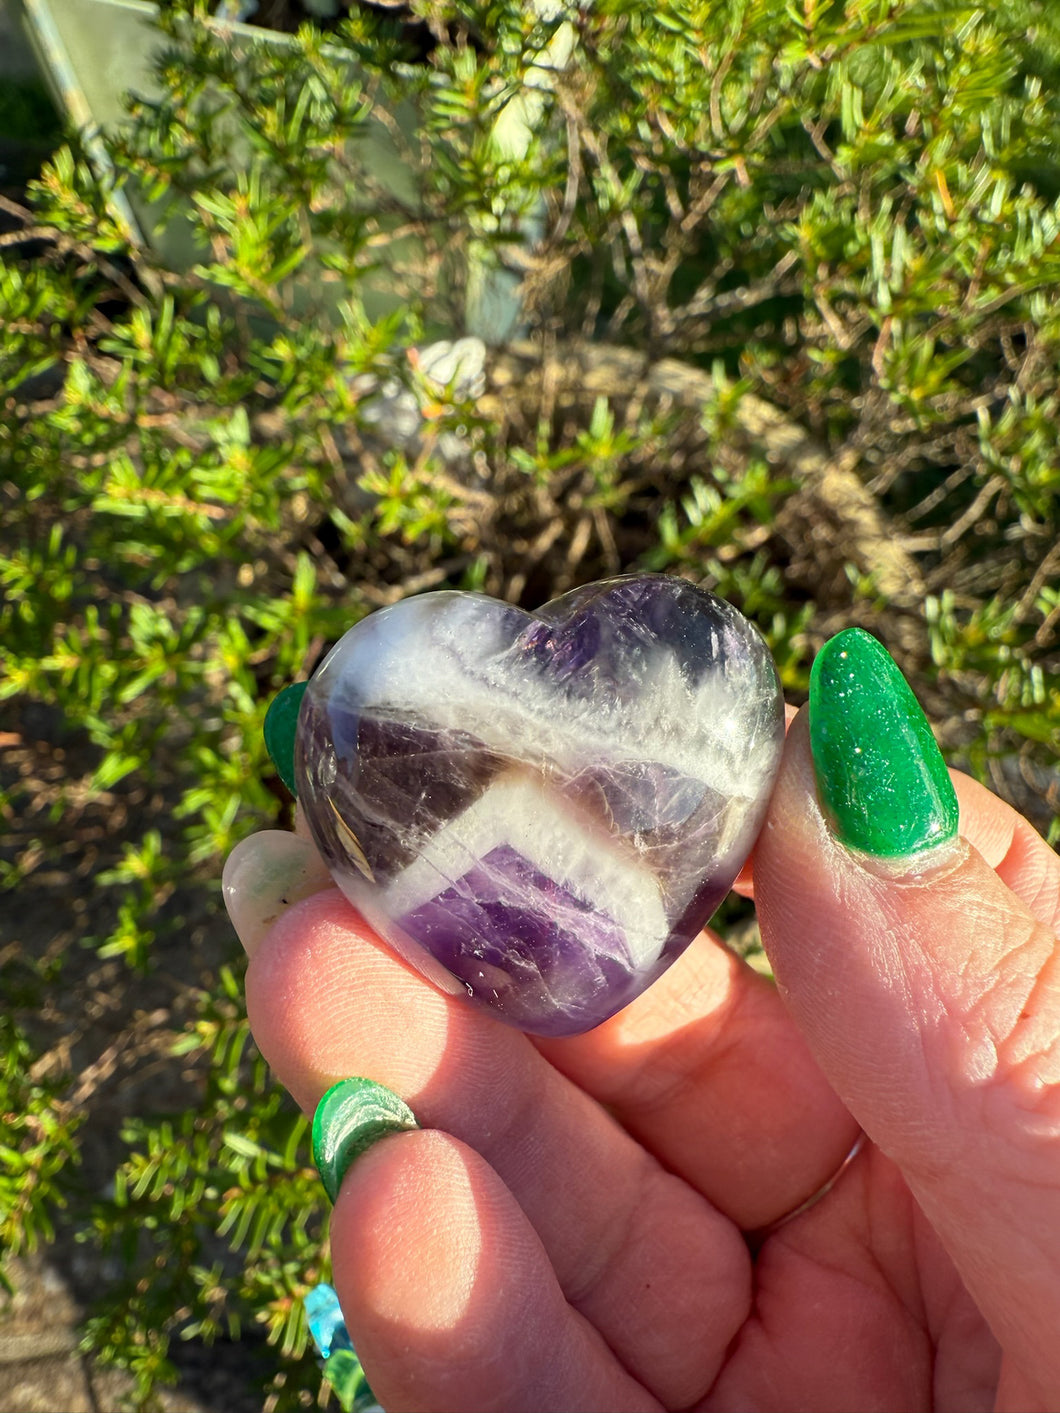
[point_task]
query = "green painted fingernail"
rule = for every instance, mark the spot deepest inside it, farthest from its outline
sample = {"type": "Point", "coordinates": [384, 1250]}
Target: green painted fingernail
{"type": "Point", "coordinates": [281, 722]}
{"type": "Point", "coordinates": [354, 1114]}
{"type": "Point", "coordinates": [880, 775]}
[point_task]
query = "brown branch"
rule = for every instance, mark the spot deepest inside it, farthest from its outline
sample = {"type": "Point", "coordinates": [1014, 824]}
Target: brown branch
{"type": "Point", "coordinates": [1049, 564]}
{"type": "Point", "coordinates": [974, 511]}
{"type": "Point", "coordinates": [845, 522]}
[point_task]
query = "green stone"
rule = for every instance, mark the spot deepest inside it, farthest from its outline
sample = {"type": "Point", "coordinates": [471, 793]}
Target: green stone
{"type": "Point", "coordinates": [354, 1114]}
{"type": "Point", "coordinates": [281, 723]}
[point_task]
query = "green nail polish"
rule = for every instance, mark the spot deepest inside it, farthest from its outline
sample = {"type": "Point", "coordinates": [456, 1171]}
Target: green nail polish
{"type": "Point", "coordinates": [281, 721]}
{"type": "Point", "coordinates": [354, 1114]}
{"type": "Point", "coordinates": [880, 774]}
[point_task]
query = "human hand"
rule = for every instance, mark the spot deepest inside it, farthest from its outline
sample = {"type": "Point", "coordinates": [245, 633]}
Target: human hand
{"type": "Point", "coordinates": [605, 1221]}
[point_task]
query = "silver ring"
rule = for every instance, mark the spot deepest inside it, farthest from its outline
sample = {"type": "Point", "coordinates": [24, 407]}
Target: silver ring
{"type": "Point", "coordinates": [757, 1237]}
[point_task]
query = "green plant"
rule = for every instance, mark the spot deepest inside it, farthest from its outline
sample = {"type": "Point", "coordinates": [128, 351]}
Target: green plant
{"type": "Point", "coordinates": [37, 1141]}
{"type": "Point", "coordinates": [847, 210]}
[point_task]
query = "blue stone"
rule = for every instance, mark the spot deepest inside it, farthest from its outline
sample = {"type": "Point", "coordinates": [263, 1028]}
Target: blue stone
{"type": "Point", "coordinates": [541, 810]}
{"type": "Point", "coordinates": [326, 1323]}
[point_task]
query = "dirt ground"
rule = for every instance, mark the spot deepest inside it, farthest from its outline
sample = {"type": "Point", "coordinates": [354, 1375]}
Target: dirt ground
{"type": "Point", "coordinates": [41, 1370]}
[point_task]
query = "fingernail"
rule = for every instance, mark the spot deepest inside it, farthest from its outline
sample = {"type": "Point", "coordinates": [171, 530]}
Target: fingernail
{"type": "Point", "coordinates": [881, 778]}
{"type": "Point", "coordinates": [263, 876]}
{"type": "Point", "coordinates": [279, 729]}
{"type": "Point", "coordinates": [354, 1114]}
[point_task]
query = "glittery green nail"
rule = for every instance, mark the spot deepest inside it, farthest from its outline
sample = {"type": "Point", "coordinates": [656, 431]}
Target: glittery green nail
{"type": "Point", "coordinates": [880, 775]}
{"type": "Point", "coordinates": [281, 720]}
{"type": "Point", "coordinates": [354, 1114]}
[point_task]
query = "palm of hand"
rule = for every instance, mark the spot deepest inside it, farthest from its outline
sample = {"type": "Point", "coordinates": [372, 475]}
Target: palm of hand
{"type": "Point", "coordinates": [573, 1227]}
{"type": "Point", "coordinates": [570, 1232]}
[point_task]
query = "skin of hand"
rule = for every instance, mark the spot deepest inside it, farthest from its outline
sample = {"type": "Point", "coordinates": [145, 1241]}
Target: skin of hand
{"type": "Point", "coordinates": [569, 1227]}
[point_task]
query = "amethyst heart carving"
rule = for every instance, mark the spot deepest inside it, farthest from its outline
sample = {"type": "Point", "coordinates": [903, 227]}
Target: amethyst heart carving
{"type": "Point", "coordinates": [541, 810]}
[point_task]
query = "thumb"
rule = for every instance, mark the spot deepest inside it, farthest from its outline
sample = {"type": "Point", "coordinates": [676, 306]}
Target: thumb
{"type": "Point", "coordinates": [927, 987]}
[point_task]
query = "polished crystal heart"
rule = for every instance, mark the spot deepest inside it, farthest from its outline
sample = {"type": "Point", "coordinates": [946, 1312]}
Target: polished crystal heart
{"type": "Point", "coordinates": [541, 810]}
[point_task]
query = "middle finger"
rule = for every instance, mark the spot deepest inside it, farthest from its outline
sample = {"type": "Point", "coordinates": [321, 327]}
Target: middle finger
{"type": "Point", "coordinates": [662, 1275]}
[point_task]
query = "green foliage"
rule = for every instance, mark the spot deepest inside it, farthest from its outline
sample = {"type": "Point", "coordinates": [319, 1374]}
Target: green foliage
{"type": "Point", "coordinates": [216, 1214]}
{"type": "Point", "coordinates": [37, 1142]}
{"type": "Point", "coordinates": [848, 210]}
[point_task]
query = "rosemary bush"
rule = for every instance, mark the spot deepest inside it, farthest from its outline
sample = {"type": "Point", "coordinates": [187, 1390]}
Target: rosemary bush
{"type": "Point", "coordinates": [840, 219]}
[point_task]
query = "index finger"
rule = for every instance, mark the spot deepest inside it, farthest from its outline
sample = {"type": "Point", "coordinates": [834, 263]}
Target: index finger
{"type": "Point", "coordinates": [709, 1072]}
{"type": "Point", "coordinates": [1012, 847]}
